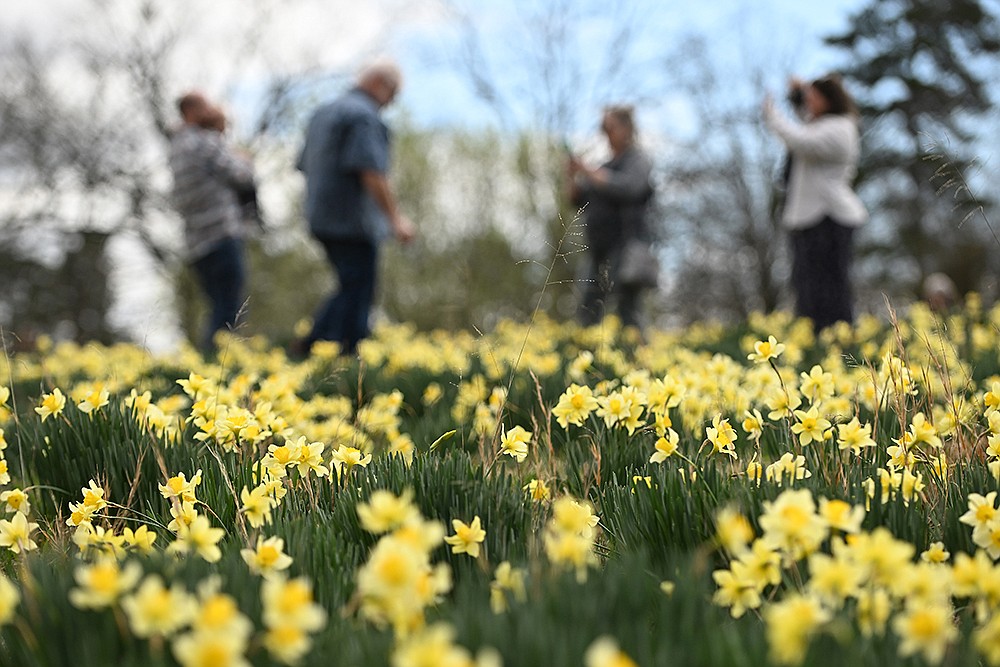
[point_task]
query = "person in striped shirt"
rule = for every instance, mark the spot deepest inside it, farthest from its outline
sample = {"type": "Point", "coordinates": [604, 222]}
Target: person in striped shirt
{"type": "Point", "coordinates": [208, 177]}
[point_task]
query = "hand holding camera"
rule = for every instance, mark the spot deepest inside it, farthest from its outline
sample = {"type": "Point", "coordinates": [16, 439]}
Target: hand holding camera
{"type": "Point", "coordinates": [796, 91]}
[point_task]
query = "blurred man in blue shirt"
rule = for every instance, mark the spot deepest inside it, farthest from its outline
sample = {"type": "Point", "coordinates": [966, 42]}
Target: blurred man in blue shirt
{"type": "Point", "coordinates": [350, 206]}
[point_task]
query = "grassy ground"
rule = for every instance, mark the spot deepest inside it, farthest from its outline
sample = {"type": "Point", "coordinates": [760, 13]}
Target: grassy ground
{"type": "Point", "coordinates": [733, 548]}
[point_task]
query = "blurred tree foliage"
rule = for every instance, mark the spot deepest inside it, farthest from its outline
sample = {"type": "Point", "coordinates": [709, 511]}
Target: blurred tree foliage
{"type": "Point", "coordinates": [68, 300]}
{"type": "Point", "coordinates": [917, 69]}
{"type": "Point", "coordinates": [719, 191]}
{"type": "Point", "coordinates": [484, 204]}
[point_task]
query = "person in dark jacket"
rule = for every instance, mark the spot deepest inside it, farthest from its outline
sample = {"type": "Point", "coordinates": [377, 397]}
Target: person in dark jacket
{"type": "Point", "coordinates": [615, 198]}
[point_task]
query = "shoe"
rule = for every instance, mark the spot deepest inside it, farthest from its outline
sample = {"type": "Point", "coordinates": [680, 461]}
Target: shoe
{"type": "Point", "coordinates": [298, 349]}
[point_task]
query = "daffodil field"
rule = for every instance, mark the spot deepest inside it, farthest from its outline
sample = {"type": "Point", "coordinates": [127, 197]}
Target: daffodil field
{"type": "Point", "coordinates": [540, 494]}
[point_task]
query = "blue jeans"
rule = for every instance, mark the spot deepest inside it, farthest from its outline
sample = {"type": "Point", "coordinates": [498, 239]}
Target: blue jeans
{"type": "Point", "coordinates": [221, 275]}
{"type": "Point", "coordinates": [344, 316]}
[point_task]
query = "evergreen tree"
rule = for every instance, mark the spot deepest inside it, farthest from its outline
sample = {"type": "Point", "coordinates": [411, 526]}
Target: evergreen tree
{"type": "Point", "coordinates": [916, 68]}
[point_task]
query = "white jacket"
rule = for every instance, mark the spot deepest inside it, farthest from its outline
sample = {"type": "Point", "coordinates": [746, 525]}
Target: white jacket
{"type": "Point", "coordinates": [824, 161]}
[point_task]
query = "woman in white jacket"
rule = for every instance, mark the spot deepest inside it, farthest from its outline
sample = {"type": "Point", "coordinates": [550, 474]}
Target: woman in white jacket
{"type": "Point", "coordinates": [821, 209]}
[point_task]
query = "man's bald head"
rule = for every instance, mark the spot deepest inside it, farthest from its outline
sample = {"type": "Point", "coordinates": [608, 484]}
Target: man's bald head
{"type": "Point", "coordinates": [382, 80]}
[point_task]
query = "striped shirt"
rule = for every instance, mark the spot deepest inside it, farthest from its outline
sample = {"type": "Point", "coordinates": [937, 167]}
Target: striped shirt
{"type": "Point", "coordinates": [206, 176]}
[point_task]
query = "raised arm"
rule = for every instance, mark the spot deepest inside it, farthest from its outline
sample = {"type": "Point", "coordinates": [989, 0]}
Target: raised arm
{"type": "Point", "coordinates": [629, 183]}
{"type": "Point", "coordinates": [829, 138]}
{"type": "Point", "coordinates": [231, 167]}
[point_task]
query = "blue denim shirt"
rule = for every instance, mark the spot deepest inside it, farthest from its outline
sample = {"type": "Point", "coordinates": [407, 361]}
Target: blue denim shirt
{"type": "Point", "coordinates": [344, 138]}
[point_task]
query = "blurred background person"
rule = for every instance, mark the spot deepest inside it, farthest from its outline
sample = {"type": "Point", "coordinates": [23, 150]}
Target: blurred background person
{"type": "Point", "coordinates": [940, 293]}
{"type": "Point", "coordinates": [207, 178]}
{"type": "Point", "coordinates": [616, 197]}
{"type": "Point", "coordinates": [821, 209]}
{"type": "Point", "coordinates": [349, 204]}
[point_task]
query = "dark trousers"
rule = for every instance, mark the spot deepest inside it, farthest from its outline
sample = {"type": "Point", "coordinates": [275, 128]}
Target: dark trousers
{"type": "Point", "coordinates": [602, 288]}
{"type": "Point", "coordinates": [221, 275]}
{"type": "Point", "coordinates": [344, 316]}
{"type": "Point", "coordinates": [821, 262]}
